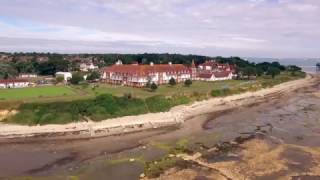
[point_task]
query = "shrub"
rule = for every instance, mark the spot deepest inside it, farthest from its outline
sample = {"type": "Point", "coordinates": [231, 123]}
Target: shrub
{"type": "Point", "coordinates": [158, 104]}
{"type": "Point", "coordinates": [221, 92]}
{"type": "Point", "coordinates": [76, 78]}
{"type": "Point", "coordinates": [188, 82]}
{"type": "Point", "coordinates": [154, 87]}
{"type": "Point", "coordinates": [59, 79]}
{"type": "Point", "coordinates": [172, 82]}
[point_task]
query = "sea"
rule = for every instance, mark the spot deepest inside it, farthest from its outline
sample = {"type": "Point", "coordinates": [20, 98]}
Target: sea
{"type": "Point", "coordinates": [307, 65]}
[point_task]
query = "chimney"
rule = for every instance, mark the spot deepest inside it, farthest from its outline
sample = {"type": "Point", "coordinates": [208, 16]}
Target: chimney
{"type": "Point", "coordinates": [151, 64]}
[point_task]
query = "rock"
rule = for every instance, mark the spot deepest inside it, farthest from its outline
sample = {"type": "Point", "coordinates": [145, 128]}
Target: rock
{"type": "Point", "coordinates": [233, 143]}
{"type": "Point", "coordinates": [142, 175]}
{"type": "Point", "coordinates": [131, 160]}
{"type": "Point", "coordinates": [144, 147]}
{"type": "Point", "coordinates": [171, 155]}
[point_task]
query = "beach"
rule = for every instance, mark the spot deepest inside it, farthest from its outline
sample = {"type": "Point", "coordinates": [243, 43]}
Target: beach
{"type": "Point", "coordinates": [175, 116]}
{"type": "Point", "coordinates": [59, 156]}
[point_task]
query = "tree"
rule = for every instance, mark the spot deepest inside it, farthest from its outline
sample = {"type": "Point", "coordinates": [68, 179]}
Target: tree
{"type": "Point", "coordinates": [259, 71]}
{"type": "Point", "coordinates": [59, 79]}
{"type": "Point", "coordinates": [172, 81]}
{"type": "Point", "coordinates": [153, 86]}
{"type": "Point", "coordinates": [7, 71]}
{"type": "Point", "coordinates": [93, 76]}
{"type": "Point", "coordinates": [188, 82]}
{"type": "Point", "coordinates": [148, 85]}
{"type": "Point", "coordinates": [273, 71]}
{"type": "Point", "coordinates": [76, 78]}
{"type": "Point", "coordinates": [248, 71]}
{"type": "Point", "coordinates": [293, 69]}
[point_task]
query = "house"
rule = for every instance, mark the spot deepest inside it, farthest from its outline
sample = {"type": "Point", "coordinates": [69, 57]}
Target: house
{"type": "Point", "coordinates": [85, 67]}
{"type": "Point", "coordinates": [214, 71]}
{"type": "Point", "coordinates": [14, 83]}
{"type": "Point", "coordinates": [66, 75]}
{"type": "Point", "coordinates": [215, 76]}
{"type": "Point", "coordinates": [138, 75]}
{"type": "Point", "coordinates": [28, 75]}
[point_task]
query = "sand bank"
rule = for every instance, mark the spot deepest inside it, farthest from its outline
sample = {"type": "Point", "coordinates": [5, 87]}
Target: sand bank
{"type": "Point", "coordinates": [175, 116]}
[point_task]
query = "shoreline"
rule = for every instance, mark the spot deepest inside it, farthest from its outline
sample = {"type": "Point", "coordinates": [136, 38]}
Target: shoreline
{"type": "Point", "coordinates": [129, 124]}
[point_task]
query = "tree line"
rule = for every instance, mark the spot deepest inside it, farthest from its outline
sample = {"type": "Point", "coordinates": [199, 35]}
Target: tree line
{"type": "Point", "coordinates": [59, 62]}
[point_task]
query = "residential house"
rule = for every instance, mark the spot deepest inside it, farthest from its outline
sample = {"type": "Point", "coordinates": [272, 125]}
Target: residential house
{"type": "Point", "coordinates": [66, 75]}
{"type": "Point", "coordinates": [28, 75]}
{"type": "Point", "coordinates": [14, 83]}
{"type": "Point", "coordinates": [214, 71]}
{"type": "Point", "coordinates": [85, 67]}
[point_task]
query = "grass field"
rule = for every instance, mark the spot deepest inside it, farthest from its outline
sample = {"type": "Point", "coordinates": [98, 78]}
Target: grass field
{"type": "Point", "coordinates": [35, 93]}
{"type": "Point", "coordinates": [64, 93]}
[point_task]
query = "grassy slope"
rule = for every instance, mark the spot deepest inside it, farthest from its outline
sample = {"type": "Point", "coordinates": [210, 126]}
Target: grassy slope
{"type": "Point", "coordinates": [166, 90]}
{"type": "Point", "coordinates": [84, 103]}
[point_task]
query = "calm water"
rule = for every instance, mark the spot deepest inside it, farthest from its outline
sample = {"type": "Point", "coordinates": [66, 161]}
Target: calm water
{"type": "Point", "coordinates": [308, 65]}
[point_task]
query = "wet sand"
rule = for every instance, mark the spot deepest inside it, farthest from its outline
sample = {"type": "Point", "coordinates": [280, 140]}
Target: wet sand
{"type": "Point", "coordinates": [276, 121]}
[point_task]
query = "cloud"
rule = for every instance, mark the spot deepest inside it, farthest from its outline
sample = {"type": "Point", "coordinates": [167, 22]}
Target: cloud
{"type": "Point", "coordinates": [276, 28]}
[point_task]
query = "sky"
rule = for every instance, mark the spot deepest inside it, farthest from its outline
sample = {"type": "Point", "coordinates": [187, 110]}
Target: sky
{"type": "Point", "coordinates": [250, 28]}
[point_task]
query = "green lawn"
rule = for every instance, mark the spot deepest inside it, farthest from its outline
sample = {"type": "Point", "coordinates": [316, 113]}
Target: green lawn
{"type": "Point", "coordinates": [35, 92]}
{"type": "Point", "coordinates": [198, 88]}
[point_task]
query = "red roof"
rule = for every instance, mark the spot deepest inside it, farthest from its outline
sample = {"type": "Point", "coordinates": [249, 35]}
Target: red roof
{"type": "Point", "coordinates": [220, 74]}
{"type": "Point", "coordinates": [5, 81]}
{"type": "Point", "coordinates": [205, 75]}
{"type": "Point", "coordinates": [146, 69]}
{"type": "Point", "coordinates": [210, 63]}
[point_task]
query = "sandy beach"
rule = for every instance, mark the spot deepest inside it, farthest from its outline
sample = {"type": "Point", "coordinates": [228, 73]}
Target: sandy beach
{"type": "Point", "coordinates": [176, 116]}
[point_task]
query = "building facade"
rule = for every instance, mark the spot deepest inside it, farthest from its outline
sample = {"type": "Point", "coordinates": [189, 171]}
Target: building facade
{"type": "Point", "coordinates": [14, 83]}
{"type": "Point", "coordinates": [139, 75]}
{"type": "Point", "coordinates": [214, 71]}
{"type": "Point", "coordinates": [28, 75]}
{"type": "Point", "coordinates": [66, 75]}
{"type": "Point", "coordinates": [85, 67]}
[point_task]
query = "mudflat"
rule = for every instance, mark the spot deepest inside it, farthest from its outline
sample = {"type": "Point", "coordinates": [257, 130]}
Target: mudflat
{"type": "Point", "coordinates": [272, 137]}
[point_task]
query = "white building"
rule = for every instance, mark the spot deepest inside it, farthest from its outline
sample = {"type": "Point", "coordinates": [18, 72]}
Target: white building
{"type": "Point", "coordinates": [85, 67]}
{"type": "Point", "coordinates": [14, 83]}
{"type": "Point", "coordinates": [214, 71]}
{"type": "Point", "coordinates": [27, 75]}
{"type": "Point", "coordinates": [66, 75]}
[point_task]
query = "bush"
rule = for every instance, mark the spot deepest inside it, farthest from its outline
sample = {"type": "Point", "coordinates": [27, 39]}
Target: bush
{"type": "Point", "coordinates": [59, 79]}
{"type": "Point", "coordinates": [158, 104]}
{"type": "Point", "coordinates": [76, 78]}
{"type": "Point", "coordinates": [188, 82]}
{"type": "Point", "coordinates": [154, 87]}
{"type": "Point", "coordinates": [93, 76]}
{"type": "Point", "coordinates": [102, 107]}
{"type": "Point", "coordinates": [172, 82]}
{"type": "Point", "coordinates": [221, 92]}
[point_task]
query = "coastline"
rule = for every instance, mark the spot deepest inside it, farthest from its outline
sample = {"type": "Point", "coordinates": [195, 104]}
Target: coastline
{"type": "Point", "coordinates": [175, 117]}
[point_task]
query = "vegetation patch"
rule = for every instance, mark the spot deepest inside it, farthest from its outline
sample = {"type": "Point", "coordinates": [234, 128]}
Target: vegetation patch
{"type": "Point", "coordinates": [102, 107]}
